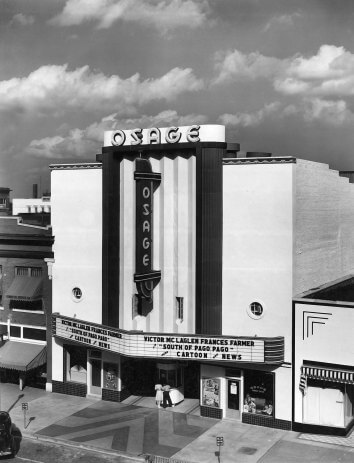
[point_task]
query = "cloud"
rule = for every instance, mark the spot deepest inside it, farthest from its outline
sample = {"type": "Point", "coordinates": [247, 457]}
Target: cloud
{"type": "Point", "coordinates": [22, 20]}
{"type": "Point", "coordinates": [284, 20]}
{"type": "Point", "coordinates": [333, 113]}
{"type": "Point", "coordinates": [163, 15]}
{"type": "Point", "coordinates": [237, 66]}
{"type": "Point", "coordinates": [250, 119]}
{"type": "Point", "coordinates": [55, 89]}
{"type": "Point", "coordinates": [88, 141]}
{"type": "Point", "coordinates": [327, 74]}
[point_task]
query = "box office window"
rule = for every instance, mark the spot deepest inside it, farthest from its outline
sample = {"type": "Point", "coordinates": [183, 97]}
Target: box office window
{"type": "Point", "coordinates": [76, 364]}
{"type": "Point", "coordinates": [258, 393]}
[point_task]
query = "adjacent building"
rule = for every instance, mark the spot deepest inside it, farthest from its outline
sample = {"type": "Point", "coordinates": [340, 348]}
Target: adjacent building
{"type": "Point", "coordinates": [25, 295]}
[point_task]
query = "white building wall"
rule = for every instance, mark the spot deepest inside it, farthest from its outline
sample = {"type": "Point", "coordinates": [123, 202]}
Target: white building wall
{"type": "Point", "coordinates": [328, 340]}
{"type": "Point", "coordinates": [258, 249]}
{"type": "Point", "coordinates": [173, 246]}
{"type": "Point", "coordinates": [77, 228]}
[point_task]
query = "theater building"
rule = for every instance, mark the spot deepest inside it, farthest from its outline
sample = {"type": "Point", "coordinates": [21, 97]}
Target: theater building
{"type": "Point", "coordinates": [177, 261]}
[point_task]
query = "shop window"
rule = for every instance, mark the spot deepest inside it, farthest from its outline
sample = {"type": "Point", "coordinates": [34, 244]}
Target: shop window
{"type": "Point", "coordinates": [34, 333]}
{"type": "Point", "coordinates": [35, 306]}
{"type": "Point", "coordinates": [258, 393]}
{"type": "Point", "coordinates": [76, 364]}
{"type": "Point", "coordinates": [255, 310]}
{"type": "Point", "coordinates": [15, 331]}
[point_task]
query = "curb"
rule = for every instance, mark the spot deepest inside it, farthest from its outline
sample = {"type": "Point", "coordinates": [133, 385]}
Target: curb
{"type": "Point", "coordinates": [55, 440]}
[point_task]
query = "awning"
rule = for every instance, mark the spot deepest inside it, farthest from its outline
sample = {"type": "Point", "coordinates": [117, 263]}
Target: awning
{"type": "Point", "coordinates": [22, 356]}
{"type": "Point", "coordinates": [25, 288]}
{"type": "Point", "coordinates": [328, 374]}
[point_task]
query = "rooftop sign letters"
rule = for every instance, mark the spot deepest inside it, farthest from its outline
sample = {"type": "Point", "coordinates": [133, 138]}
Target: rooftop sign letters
{"type": "Point", "coordinates": [170, 346]}
{"type": "Point", "coordinates": [168, 135]}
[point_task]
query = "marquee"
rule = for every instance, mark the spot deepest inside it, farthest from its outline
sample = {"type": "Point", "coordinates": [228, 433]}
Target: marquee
{"type": "Point", "coordinates": [169, 346]}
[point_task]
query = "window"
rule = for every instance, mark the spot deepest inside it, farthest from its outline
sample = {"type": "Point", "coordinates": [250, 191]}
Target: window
{"type": "Point", "coordinates": [179, 307]}
{"type": "Point", "coordinates": [77, 294]}
{"type": "Point", "coordinates": [15, 331]}
{"type": "Point", "coordinates": [34, 333]}
{"type": "Point", "coordinates": [2, 201]}
{"type": "Point", "coordinates": [76, 363]}
{"type": "Point", "coordinates": [28, 271]}
{"type": "Point", "coordinates": [34, 306]}
{"type": "Point", "coordinates": [258, 393]}
{"type": "Point", "coordinates": [255, 310]}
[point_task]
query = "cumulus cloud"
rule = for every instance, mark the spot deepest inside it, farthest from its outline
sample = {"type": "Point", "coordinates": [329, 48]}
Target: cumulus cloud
{"type": "Point", "coordinates": [332, 113]}
{"type": "Point", "coordinates": [328, 73]}
{"type": "Point", "coordinates": [162, 14]}
{"type": "Point", "coordinates": [22, 20]}
{"type": "Point", "coordinates": [250, 119]}
{"type": "Point", "coordinates": [86, 142]}
{"type": "Point", "coordinates": [238, 66]}
{"type": "Point", "coordinates": [56, 89]}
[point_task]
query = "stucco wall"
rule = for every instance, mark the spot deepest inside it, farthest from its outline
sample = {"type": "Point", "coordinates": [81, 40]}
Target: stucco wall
{"type": "Point", "coordinates": [77, 227]}
{"type": "Point", "coordinates": [324, 226]}
{"type": "Point", "coordinates": [257, 249]}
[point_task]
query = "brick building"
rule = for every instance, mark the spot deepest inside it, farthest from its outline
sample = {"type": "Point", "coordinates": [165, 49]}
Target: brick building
{"type": "Point", "coordinates": [25, 309]}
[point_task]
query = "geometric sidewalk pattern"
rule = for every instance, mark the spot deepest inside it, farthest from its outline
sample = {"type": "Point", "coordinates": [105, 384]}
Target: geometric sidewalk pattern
{"type": "Point", "coordinates": [131, 429]}
{"type": "Point", "coordinates": [334, 440]}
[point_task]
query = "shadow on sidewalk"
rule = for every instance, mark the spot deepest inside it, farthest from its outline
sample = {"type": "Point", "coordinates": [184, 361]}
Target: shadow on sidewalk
{"type": "Point", "coordinates": [14, 404]}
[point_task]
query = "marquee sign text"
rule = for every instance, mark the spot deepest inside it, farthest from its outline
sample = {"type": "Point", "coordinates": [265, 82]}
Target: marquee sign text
{"type": "Point", "coordinates": [168, 346]}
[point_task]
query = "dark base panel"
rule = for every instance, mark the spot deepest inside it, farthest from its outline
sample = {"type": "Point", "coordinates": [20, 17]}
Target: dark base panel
{"type": "Point", "coordinates": [210, 412]}
{"type": "Point", "coordinates": [267, 421]}
{"type": "Point", "coordinates": [326, 430]}
{"type": "Point", "coordinates": [115, 396]}
{"type": "Point", "coordinates": [80, 390]}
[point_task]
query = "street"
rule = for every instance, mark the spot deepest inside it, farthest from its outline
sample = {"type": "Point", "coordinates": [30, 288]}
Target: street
{"type": "Point", "coordinates": [35, 451]}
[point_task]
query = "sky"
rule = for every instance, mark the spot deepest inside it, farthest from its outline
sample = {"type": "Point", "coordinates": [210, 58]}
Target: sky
{"type": "Point", "coordinates": [279, 74]}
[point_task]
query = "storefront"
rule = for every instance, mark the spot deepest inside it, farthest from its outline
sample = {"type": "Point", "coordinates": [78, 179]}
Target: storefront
{"type": "Point", "coordinates": [323, 363]}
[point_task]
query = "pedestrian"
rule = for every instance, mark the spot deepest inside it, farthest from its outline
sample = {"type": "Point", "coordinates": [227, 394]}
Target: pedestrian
{"type": "Point", "coordinates": [159, 395]}
{"type": "Point", "coordinates": [166, 396]}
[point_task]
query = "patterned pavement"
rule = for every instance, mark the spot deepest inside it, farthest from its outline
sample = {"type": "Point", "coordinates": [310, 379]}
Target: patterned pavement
{"type": "Point", "coordinates": [346, 441]}
{"type": "Point", "coordinates": [132, 429]}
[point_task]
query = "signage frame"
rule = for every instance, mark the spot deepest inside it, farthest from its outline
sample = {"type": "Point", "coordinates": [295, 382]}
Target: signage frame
{"type": "Point", "coordinates": [174, 346]}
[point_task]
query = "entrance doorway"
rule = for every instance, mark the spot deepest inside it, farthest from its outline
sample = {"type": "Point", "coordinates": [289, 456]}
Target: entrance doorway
{"type": "Point", "coordinates": [95, 377]}
{"type": "Point", "coordinates": [233, 398]}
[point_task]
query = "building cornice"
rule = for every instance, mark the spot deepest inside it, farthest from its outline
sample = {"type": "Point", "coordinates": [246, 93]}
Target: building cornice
{"type": "Point", "coordinates": [268, 160]}
{"type": "Point", "coordinates": [76, 166]}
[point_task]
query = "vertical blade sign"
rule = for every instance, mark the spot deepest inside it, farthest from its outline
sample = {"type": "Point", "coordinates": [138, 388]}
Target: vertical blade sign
{"type": "Point", "coordinates": [145, 278]}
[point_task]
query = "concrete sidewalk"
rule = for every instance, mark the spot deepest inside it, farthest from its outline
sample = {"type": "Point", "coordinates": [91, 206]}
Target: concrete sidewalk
{"type": "Point", "coordinates": [138, 428]}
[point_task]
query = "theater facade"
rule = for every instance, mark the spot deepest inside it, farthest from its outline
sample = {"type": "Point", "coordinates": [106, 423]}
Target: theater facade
{"type": "Point", "coordinates": [175, 263]}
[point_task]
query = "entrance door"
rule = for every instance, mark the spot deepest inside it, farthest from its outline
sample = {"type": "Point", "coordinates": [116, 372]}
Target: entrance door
{"type": "Point", "coordinates": [233, 398]}
{"type": "Point", "coordinates": [95, 372]}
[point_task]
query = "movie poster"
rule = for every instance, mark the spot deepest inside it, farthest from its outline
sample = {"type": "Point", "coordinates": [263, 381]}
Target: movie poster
{"type": "Point", "coordinates": [211, 392]}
